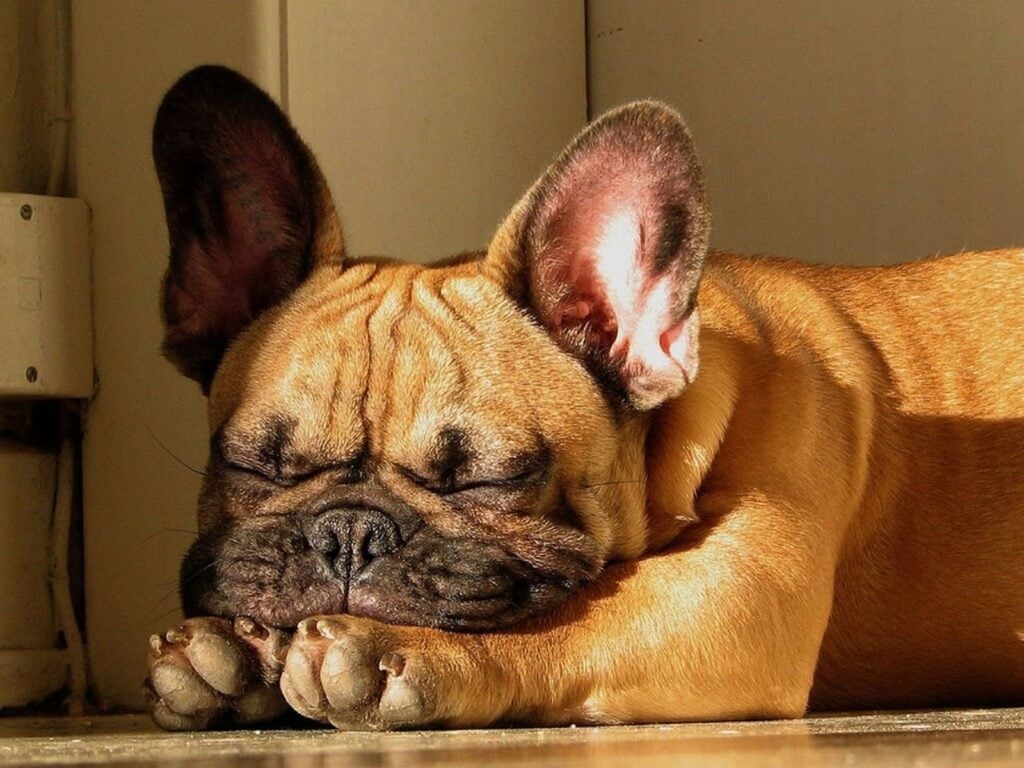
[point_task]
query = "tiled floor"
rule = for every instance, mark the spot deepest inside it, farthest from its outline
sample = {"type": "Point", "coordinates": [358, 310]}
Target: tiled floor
{"type": "Point", "coordinates": [975, 738]}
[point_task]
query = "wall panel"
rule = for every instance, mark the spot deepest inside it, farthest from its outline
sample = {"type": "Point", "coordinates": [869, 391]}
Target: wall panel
{"type": "Point", "coordinates": [853, 131]}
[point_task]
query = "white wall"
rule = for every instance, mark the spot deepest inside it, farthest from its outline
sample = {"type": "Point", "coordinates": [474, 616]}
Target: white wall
{"type": "Point", "coordinates": [853, 130]}
{"type": "Point", "coordinates": [415, 109]}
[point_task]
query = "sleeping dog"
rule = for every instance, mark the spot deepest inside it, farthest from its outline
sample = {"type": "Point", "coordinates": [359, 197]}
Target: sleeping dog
{"type": "Point", "coordinates": [595, 474]}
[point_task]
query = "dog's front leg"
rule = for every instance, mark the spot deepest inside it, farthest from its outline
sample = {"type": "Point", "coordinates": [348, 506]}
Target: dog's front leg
{"type": "Point", "coordinates": [726, 627]}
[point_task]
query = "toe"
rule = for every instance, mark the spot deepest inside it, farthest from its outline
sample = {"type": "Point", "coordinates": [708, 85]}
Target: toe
{"type": "Point", "coordinates": [300, 680]}
{"type": "Point", "coordinates": [181, 689]}
{"type": "Point", "coordinates": [206, 672]}
{"type": "Point", "coordinates": [349, 675]}
{"type": "Point", "coordinates": [401, 704]}
{"type": "Point", "coordinates": [170, 720]}
{"type": "Point", "coordinates": [260, 705]}
{"type": "Point", "coordinates": [220, 662]}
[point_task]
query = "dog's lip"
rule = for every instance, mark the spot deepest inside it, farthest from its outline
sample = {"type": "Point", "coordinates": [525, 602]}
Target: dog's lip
{"type": "Point", "coordinates": [482, 614]}
{"type": "Point", "coordinates": [431, 580]}
{"type": "Point", "coordinates": [283, 614]}
{"type": "Point", "coordinates": [486, 606]}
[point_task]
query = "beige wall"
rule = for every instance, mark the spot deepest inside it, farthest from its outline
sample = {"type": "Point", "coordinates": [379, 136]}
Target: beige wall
{"type": "Point", "coordinates": [26, 473]}
{"type": "Point", "coordinates": [856, 130]}
{"type": "Point", "coordinates": [26, 53]}
{"type": "Point", "coordinates": [26, 470]}
{"type": "Point", "coordinates": [26, 495]}
{"type": "Point", "coordinates": [138, 500]}
{"type": "Point", "coordinates": [394, 96]}
{"type": "Point", "coordinates": [430, 119]}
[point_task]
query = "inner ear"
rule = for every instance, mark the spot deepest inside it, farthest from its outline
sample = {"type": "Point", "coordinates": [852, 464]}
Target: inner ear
{"type": "Point", "coordinates": [607, 250]}
{"type": "Point", "coordinates": [248, 213]}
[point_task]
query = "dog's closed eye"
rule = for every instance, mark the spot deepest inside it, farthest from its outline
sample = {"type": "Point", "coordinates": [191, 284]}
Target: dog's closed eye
{"type": "Point", "coordinates": [530, 475]}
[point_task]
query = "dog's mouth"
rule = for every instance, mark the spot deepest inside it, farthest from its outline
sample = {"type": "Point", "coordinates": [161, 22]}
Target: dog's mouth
{"type": "Point", "coordinates": [281, 570]}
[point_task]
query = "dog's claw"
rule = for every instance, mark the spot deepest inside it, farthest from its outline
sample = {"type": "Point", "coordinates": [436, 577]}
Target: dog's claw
{"type": "Point", "coordinates": [246, 627]}
{"type": "Point", "coordinates": [330, 629]}
{"type": "Point", "coordinates": [392, 663]}
{"type": "Point", "coordinates": [175, 636]}
{"type": "Point", "coordinates": [307, 628]}
{"type": "Point", "coordinates": [206, 673]}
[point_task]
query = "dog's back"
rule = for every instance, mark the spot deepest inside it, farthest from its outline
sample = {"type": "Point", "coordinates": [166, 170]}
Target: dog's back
{"type": "Point", "coordinates": [928, 604]}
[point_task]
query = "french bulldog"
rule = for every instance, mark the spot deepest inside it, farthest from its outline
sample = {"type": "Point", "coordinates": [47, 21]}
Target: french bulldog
{"type": "Point", "coordinates": [596, 474]}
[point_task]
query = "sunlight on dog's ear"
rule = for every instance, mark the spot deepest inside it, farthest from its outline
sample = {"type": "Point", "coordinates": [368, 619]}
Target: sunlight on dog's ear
{"type": "Point", "coordinates": [606, 251]}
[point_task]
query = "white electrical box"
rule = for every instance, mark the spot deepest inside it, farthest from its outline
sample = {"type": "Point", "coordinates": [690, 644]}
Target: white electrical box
{"type": "Point", "coordinates": [45, 297]}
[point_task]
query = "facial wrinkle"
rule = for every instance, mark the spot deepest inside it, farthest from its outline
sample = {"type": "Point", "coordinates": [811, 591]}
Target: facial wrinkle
{"type": "Point", "coordinates": [449, 377]}
{"type": "Point", "coordinates": [382, 343]}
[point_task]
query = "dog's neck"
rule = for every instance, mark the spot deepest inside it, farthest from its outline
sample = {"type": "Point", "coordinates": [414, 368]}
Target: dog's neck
{"type": "Point", "coordinates": [683, 440]}
{"type": "Point", "coordinates": [662, 461]}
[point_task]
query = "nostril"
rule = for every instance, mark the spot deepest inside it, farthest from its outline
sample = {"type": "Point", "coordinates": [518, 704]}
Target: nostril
{"type": "Point", "coordinates": [325, 540]}
{"type": "Point", "coordinates": [377, 540]}
{"type": "Point", "coordinates": [350, 538]}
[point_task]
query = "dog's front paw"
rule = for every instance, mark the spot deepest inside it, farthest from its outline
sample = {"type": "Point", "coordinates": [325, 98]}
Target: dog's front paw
{"type": "Point", "coordinates": [210, 672]}
{"type": "Point", "coordinates": [358, 674]}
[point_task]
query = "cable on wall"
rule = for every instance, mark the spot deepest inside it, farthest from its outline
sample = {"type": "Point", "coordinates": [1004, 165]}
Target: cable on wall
{"type": "Point", "coordinates": [60, 116]}
{"type": "Point", "coordinates": [63, 503]}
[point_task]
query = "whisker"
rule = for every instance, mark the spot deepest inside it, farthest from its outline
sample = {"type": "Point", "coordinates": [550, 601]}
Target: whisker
{"type": "Point", "coordinates": [166, 613]}
{"type": "Point", "coordinates": [168, 530]}
{"type": "Point", "coordinates": [610, 482]}
{"type": "Point", "coordinates": [189, 467]}
{"type": "Point", "coordinates": [199, 572]}
{"type": "Point", "coordinates": [170, 594]}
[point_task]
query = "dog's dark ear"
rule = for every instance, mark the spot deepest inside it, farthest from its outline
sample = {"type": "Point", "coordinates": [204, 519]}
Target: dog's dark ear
{"type": "Point", "coordinates": [606, 251]}
{"type": "Point", "coordinates": [248, 213]}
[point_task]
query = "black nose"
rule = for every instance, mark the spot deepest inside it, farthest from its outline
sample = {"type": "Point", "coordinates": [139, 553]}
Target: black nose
{"type": "Point", "coordinates": [350, 537]}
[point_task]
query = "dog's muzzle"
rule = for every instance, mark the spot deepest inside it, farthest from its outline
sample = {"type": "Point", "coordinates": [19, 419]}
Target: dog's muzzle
{"type": "Point", "coordinates": [364, 560]}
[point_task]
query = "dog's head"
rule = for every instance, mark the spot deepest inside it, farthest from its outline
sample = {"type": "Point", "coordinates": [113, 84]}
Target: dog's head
{"type": "Point", "coordinates": [422, 445]}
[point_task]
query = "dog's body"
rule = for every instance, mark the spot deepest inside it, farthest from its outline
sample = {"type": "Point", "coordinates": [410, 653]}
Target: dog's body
{"type": "Point", "coordinates": [889, 423]}
{"type": "Point", "coordinates": [517, 444]}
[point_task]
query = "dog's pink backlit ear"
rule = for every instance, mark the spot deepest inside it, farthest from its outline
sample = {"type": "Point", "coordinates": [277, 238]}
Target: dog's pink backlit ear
{"type": "Point", "coordinates": [612, 242]}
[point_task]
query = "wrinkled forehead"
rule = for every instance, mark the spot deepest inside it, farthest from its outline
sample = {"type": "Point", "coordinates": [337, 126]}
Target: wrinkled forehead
{"type": "Point", "coordinates": [394, 359]}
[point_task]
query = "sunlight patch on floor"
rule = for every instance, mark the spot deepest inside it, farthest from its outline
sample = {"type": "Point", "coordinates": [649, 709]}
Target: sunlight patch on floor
{"type": "Point", "coordinates": [982, 737]}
